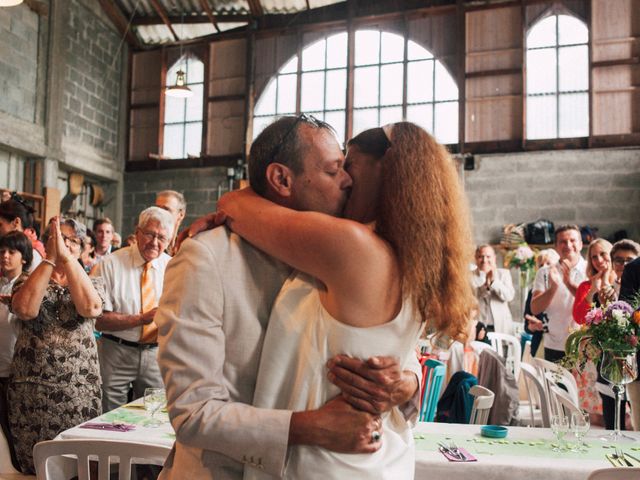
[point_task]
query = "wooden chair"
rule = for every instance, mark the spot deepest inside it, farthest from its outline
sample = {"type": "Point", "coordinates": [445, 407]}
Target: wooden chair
{"type": "Point", "coordinates": [128, 453]}
{"type": "Point", "coordinates": [537, 405]}
{"type": "Point", "coordinates": [482, 404]}
{"type": "Point", "coordinates": [509, 348]}
{"type": "Point", "coordinates": [433, 373]}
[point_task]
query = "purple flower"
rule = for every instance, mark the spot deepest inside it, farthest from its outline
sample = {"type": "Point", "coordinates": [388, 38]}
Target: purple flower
{"type": "Point", "coordinates": [593, 316]}
{"type": "Point", "coordinates": [620, 305]}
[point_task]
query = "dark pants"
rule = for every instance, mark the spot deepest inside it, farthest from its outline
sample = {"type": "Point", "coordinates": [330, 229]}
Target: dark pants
{"type": "Point", "coordinates": [4, 419]}
{"type": "Point", "coordinates": [553, 355]}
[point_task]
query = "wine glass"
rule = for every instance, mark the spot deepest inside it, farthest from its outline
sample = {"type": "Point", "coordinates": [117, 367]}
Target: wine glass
{"type": "Point", "coordinates": [618, 368]}
{"type": "Point", "coordinates": [580, 425]}
{"type": "Point", "coordinates": [559, 427]}
{"type": "Point", "coordinates": [154, 400]}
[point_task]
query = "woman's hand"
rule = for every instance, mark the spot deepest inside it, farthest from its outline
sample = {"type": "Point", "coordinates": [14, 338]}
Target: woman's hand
{"type": "Point", "coordinates": [56, 249]}
{"type": "Point", "coordinates": [208, 222]}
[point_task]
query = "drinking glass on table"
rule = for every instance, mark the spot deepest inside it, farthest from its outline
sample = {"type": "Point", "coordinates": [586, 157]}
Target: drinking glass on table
{"type": "Point", "coordinates": [580, 425]}
{"type": "Point", "coordinates": [154, 400]}
{"type": "Point", "coordinates": [559, 427]}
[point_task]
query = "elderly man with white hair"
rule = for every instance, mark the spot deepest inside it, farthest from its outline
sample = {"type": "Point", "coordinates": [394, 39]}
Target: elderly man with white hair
{"type": "Point", "coordinates": [133, 279]}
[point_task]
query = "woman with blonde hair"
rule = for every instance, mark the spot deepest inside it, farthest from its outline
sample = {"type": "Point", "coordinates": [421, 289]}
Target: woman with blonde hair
{"type": "Point", "coordinates": [371, 281]}
{"type": "Point", "coordinates": [600, 286]}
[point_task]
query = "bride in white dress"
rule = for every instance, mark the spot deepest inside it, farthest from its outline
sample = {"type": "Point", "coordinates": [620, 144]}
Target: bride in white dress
{"type": "Point", "coordinates": [370, 284]}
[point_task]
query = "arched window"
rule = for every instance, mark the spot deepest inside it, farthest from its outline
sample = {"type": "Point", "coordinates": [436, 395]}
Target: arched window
{"type": "Point", "coordinates": [183, 116]}
{"type": "Point", "coordinates": [380, 94]}
{"type": "Point", "coordinates": [558, 78]}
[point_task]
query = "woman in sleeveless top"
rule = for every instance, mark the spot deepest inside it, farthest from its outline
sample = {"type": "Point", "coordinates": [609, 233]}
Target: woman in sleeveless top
{"type": "Point", "coordinates": [363, 285]}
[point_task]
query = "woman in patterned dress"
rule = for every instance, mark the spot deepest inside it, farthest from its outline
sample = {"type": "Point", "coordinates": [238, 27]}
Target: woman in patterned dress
{"type": "Point", "coordinates": [55, 377]}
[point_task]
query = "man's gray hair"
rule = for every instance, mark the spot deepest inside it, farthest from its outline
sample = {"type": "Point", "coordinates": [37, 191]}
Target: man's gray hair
{"type": "Point", "coordinates": [182, 203]}
{"type": "Point", "coordinates": [164, 218]}
{"type": "Point", "coordinates": [79, 229]}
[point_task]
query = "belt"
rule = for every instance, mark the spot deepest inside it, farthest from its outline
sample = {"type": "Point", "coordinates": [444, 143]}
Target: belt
{"type": "Point", "coordinates": [127, 343]}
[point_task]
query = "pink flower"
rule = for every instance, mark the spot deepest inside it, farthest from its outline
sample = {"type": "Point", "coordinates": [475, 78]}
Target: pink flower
{"type": "Point", "coordinates": [593, 316]}
{"type": "Point", "coordinates": [633, 340]}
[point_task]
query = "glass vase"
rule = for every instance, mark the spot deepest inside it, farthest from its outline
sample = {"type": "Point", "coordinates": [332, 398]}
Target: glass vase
{"type": "Point", "coordinates": [618, 368]}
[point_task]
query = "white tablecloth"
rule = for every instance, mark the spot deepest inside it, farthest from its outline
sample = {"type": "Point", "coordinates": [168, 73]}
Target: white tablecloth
{"type": "Point", "coordinates": [508, 461]}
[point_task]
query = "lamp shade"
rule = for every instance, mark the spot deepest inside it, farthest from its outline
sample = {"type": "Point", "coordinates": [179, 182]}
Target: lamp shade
{"type": "Point", "coordinates": [10, 3]}
{"type": "Point", "coordinates": [180, 89]}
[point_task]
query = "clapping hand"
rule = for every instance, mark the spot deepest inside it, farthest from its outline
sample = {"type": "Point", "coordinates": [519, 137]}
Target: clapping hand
{"type": "Point", "coordinates": [534, 324]}
{"type": "Point", "coordinates": [554, 276]}
{"type": "Point", "coordinates": [56, 248]}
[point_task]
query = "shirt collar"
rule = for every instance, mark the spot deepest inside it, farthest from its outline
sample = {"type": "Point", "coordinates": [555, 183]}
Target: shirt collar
{"type": "Point", "coordinates": [138, 260]}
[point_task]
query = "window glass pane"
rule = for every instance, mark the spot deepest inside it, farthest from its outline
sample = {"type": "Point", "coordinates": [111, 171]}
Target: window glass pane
{"type": "Point", "coordinates": [446, 88]}
{"type": "Point", "coordinates": [420, 82]}
{"type": "Point", "coordinates": [195, 70]}
{"type": "Point", "coordinates": [365, 92]}
{"type": "Point", "coordinates": [391, 83]}
{"type": "Point", "coordinates": [193, 140]}
{"type": "Point", "coordinates": [541, 71]}
{"type": "Point", "coordinates": [446, 122]}
{"type": "Point", "coordinates": [336, 89]}
{"type": "Point", "coordinates": [573, 63]}
{"type": "Point", "coordinates": [260, 123]}
{"type": "Point", "coordinates": [543, 33]}
{"type": "Point", "coordinates": [364, 119]}
{"type": "Point", "coordinates": [312, 97]}
{"type": "Point", "coordinates": [336, 120]}
{"type": "Point", "coordinates": [266, 104]}
{"type": "Point", "coordinates": [287, 85]}
{"type": "Point", "coordinates": [390, 115]}
{"type": "Point", "coordinates": [172, 142]}
{"type": "Point", "coordinates": [417, 52]}
{"type": "Point", "coordinates": [571, 30]}
{"type": "Point", "coordinates": [541, 117]}
{"type": "Point", "coordinates": [421, 115]}
{"type": "Point", "coordinates": [291, 66]}
{"type": "Point", "coordinates": [313, 56]}
{"type": "Point", "coordinates": [337, 51]}
{"type": "Point", "coordinates": [574, 115]}
{"type": "Point", "coordinates": [173, 109]}
{"type": "Point", "coordinates": [194, 103]}
{"type": "Point", "coordinates": [367, 47]}
{"type": "Point", "coordinates": [392, 48]}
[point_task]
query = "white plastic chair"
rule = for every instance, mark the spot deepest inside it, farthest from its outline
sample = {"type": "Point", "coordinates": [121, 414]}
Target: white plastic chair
{"type": "Point", "coordinates": [613, 473]}
{"type": "Point", "coordinates": [537, 404]}
{"type": "Point", "coordinates": [482, 404]}
{"type": "Point", "coordinates": [128, 453]}
{"type": "Point", "coordinates": [509, 348]}
{"type": "Point", "coordinates": [564, 404]}
{"type": "Point", "coordinates": [549, 371]}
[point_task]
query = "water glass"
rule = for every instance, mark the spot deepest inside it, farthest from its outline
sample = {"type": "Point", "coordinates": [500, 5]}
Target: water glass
{"type": "Point", "coordinates": [559, 427]}
{"type": "Point", "coordinates": [580, 425]}
{"type": "Point", "coordinates": [154, 400]}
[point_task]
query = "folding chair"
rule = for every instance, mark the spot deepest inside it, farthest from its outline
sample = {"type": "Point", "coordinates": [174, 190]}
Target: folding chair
{"type": "Point", "coordinates": [433, 373]}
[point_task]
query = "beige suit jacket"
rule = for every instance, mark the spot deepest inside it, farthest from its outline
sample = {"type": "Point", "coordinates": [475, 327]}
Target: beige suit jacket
{"type": "Point", "coordinates": [212, 317]}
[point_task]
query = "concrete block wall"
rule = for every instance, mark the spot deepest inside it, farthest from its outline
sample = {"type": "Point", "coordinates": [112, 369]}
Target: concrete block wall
{"type": "Point", "coordinates": [18, 62]}
{"type": "Point", "coordinates": [600, 188]}
{"type": "Point", "coordinates": [200, 186]}
{"type": "Point", "coordinates": [92, 79]}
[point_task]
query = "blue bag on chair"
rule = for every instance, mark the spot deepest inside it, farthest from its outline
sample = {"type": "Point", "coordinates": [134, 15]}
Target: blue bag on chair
{"type": "Point", "coordinates": [456, 402]}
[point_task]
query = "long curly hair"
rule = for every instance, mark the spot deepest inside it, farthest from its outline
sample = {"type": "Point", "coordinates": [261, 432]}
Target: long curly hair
{"type": "Point", "coordinates": [423, 214]}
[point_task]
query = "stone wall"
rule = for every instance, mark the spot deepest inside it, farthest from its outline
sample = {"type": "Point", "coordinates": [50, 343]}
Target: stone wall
{"type": "Point", "coordinates": [19, 29]}
{"type": "Point", "coordinates": [599, 188]}
{"type": "Point", "coordinates": [200, 186]}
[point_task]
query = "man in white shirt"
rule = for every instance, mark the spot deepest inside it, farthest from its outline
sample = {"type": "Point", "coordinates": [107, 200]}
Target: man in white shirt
{"type": "Point", "coordinates": [555, 287]}
{"type": "Point", "coordinates": [103, 230]}
{"type": "Point", "coordinates": [133, 279]}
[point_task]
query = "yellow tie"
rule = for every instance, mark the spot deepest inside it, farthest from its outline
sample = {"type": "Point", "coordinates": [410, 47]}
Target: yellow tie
{"type": "Point", "coordinates": [148, 301]}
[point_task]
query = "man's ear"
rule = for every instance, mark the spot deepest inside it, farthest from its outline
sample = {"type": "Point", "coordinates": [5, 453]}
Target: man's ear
{"type": "Point", "coordinates": [279, 179]}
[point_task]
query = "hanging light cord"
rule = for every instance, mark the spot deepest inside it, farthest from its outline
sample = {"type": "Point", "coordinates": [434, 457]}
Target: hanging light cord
{"type": "Point", "coordinates": [124, 35]}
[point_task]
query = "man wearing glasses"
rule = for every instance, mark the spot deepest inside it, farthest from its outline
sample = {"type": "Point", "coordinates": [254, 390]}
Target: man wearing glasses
{"type": "Point", "coordinates": [133, 279]}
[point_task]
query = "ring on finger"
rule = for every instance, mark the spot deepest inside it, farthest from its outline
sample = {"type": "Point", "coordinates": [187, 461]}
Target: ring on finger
{"type": "Point", "coordinates": [375, 436]}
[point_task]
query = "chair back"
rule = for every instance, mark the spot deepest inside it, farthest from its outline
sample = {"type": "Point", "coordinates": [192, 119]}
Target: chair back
{"type": "Point", "coordinates": [509, 348]}
{"type": "Point", "coordinates": [615, 473]}
{"type": "Point", "coordinates": [536, 394]}
{"type": "Point", "coordinates": [482, 404]}
{"type": "Point", "coordinates": [433, 373]}
{"type": "Point", "coordinates": [552, 372]}
{"type": "Point", "coordinates": [564, 404]}
{"type": "Point", "coordinates": [128, 453]}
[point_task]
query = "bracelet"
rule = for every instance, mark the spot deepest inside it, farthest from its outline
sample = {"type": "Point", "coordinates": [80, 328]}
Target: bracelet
{"type": "Point", "coordinates": [46, 260]}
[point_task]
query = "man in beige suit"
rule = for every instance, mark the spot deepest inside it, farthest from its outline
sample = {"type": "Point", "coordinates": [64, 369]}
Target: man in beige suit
{"type": "Point", "coordinates": [218, 295]}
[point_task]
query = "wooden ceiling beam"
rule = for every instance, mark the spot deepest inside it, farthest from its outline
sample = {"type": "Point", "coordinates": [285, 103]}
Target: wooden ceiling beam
{"type": "Point", "coordinates": [162, 13]}
{"type": "Point", "coordinates": [120, 21]}
{"type": "Point", "coordinates": [210, 15]}
{"type": "Point", "coordinates": [256, 8]}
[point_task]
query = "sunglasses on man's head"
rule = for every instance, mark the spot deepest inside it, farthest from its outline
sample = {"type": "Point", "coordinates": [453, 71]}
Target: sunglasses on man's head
{"type": "Point", "coordinates": [302, 118]}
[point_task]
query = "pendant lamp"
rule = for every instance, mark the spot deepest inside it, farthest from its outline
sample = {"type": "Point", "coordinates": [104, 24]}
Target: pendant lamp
{"type": "Point", "coordinates": [180, 89]}
{"type": "Point", "coordinates": [10, 3]}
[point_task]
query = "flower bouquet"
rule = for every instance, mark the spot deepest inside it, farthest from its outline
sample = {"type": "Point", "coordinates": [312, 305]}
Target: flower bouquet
{"type": "Point", "coordinates": [609, 337]}
{"type": "Point", "coordinates": [523, 259]}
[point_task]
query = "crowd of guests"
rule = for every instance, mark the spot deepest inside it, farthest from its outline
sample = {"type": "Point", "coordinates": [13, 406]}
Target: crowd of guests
{"type": "Point", "coordinates": [76, 320]}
